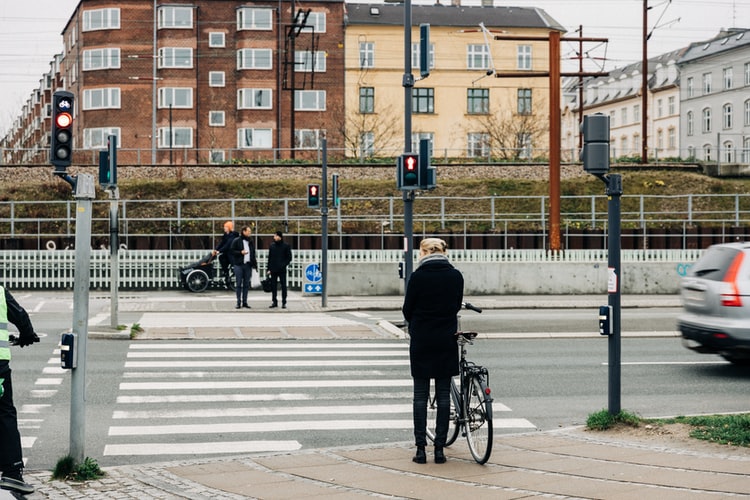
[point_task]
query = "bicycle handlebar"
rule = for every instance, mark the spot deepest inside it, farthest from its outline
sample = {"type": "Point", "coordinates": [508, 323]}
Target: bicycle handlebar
{"type": "Point", "coordinates": [472, 307]}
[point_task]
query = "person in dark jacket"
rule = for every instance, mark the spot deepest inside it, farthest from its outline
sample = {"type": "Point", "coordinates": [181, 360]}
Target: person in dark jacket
{"type": "Point", "coordinates": [223, 250]}
{"type": "Point", "coordinates": [279, 257]}
{"type": "Point", "coordinates": [433, 299]}
{"type": "Point", "coordinates": [11, 457]}
{"type": "Point", "coordinates": [242, 253]}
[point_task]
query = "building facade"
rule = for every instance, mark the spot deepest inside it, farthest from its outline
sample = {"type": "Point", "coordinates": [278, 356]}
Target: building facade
{"type": "Point", "coordinates": [715, 118]}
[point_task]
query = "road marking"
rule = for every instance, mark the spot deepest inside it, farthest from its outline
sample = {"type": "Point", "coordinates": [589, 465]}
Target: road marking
{"type": "Point", "coordinates": [211, 398]}
{"type": "Point", "coordinates": [212, 447]}
{"type": "Point", "coordinates": [33, 409]}
{"type": "Point", "coordinates": [263, 364]}
{"type": "Point", "coordinates": [264, 346]}
{"type": "Point", "coordinates": [264, 384]}
{"type": "Point", "coordinates": [511, 423]}
{"type": "Point", "coordinates": [198, 320]}
{"type": "Point", "coordinates": [657, 363]}
{"type": "Point", "coordinates": [266, 412]}
{"type": "Point", "coordinates": [48, 381]}
{"type": "Point", "coordinates": [256, 354]}
{"type": "Point", "coordinates": [27, 441]}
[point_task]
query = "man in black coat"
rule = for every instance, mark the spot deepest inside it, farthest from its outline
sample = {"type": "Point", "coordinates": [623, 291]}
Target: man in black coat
{"type": "Point", "coordinates": [431, 305]}
{"type": "Point", "coordinates": [223, 250]}
{"type": "Point", "coordinates": [242, 254]}
{"type": "Point", "coordinates": [279, 257]}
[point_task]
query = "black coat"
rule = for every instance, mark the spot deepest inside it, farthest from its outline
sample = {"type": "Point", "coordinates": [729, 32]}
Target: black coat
{"type": "Point", "coordinates": [226, 241]}
{"type": "Point", "coordinates": [279, 256]}
{"type": "Point", "coordinates": [431, 305]}
{"type": "Point", "coordinates": [235, 252]}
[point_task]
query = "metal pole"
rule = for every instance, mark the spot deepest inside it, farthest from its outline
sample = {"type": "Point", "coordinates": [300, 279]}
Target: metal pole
{"type": "Point", "coordinates": [85, 193]}
{"type": "Point", "coordinates": [114, 243]}
{"type": "Point", "coordinates": [614, 192]}
{"type": "Point", "coordinates": [644, 87]}
{"type": "Point", "coordinates": [154, 59]}
{"type": "Point", "coordinates": [324, 223]}
{"type": "Point", "coordinates": [408, 196]}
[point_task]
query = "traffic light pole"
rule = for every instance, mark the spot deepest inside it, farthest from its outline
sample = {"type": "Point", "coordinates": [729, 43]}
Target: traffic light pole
{"type": "Point", "coordinates": [324, 226]}
{"type": "Point", "coordinates": [408, 196]}
{"type": "Point", "coordinates": [614, 288]}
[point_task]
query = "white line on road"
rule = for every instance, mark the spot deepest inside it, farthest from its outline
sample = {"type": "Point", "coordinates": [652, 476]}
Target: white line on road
{"type": "Point", "coordinates": [256, 354]}
{"type": "Point", "coordinates": [264, 364]}
{"type": "Point", "coordinates": [657, 363]}
{"type": "Point", "coordinates": [267, 384]}
{"type": "Point", "coordinates": [257, 346]}
{"type": "Point", "coordinates": [212, 447]}
{"type": "Point", "coordinates": [211, 398]}
{"type": "Point", "coordinates": [266, 412]}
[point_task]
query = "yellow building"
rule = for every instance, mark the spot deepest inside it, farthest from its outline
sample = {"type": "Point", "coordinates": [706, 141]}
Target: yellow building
{"type": "Point", "coordinates": [462, 106]}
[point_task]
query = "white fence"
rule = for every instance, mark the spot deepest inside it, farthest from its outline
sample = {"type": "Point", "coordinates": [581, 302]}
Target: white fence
{"type": "Point", "coordinates": [158, 269]}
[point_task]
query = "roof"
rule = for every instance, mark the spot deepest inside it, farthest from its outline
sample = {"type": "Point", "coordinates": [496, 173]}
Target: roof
{"type": "Point", "coordinates": [450, 15]}
{"type": "Point", "coordinates": [726, 40]}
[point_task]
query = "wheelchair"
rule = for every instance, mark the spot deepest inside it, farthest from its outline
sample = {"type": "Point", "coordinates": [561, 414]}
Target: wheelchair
{"type": "Point", "coordinates": [198, 276]}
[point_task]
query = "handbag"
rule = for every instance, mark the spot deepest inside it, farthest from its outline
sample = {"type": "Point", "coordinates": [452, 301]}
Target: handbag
{"type": "Point", "coordinates": [254, 279]}
{"type": "Point", "coordinates": [267, 285]}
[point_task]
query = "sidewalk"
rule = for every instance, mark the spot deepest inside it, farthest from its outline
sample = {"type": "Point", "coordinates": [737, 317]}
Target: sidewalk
{"type": "Point", "coordinates": [565, 463]}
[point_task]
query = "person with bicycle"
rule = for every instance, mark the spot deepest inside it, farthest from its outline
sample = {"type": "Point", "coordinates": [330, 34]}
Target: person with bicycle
{"type": "Point", "coordinates": [431, 304]}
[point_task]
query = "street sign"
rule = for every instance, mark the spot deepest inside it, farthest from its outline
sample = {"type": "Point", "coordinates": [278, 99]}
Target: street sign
{"type": "Point", "coordinates": [313, 283]}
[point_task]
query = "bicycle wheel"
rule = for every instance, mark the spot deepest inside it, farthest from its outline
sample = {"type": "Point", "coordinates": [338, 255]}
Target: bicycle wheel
{"type": "Point", "coordinates": [478, 419]}
{"type": "Point", "coordinates": [432, 415]}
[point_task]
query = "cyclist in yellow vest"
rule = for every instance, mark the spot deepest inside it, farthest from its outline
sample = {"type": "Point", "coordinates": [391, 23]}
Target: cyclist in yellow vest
{"type": "Point", "coordinates": [11, 458]}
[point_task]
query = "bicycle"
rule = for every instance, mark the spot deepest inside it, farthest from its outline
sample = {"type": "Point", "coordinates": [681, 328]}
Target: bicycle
{"type": "Point", "coordinates": [471, 402]}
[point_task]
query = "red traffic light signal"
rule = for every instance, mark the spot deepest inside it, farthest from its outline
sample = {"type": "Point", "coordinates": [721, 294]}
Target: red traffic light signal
{"type": "Point", "coordinates": [61, 136]}
{"type": "Point", "coordinates": [408, 174]}
{"type": "Point", "coordinates": [313, 196]}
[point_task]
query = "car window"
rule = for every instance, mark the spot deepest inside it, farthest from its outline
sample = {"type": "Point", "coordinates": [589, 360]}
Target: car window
{"type": "Point", "coordinates": [714, 263]}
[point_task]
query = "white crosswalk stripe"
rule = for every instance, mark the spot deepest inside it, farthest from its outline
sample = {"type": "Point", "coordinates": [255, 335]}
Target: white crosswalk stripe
{"type": "Point", "coordinates": [221, 398]}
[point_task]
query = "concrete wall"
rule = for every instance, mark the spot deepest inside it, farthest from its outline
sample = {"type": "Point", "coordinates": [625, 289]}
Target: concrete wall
{"type": "Point", "coordinates": [553, 278]}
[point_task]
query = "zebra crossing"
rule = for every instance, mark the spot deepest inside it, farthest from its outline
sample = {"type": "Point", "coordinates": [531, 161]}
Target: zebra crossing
{"type": "Point", "coordinates": [201, 398]}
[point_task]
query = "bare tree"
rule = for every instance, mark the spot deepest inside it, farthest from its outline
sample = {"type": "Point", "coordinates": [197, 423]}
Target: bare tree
{"type": "Point", "coordinates": [358, 129]}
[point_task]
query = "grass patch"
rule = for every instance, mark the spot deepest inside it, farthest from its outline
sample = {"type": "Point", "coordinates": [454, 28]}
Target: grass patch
{"type": "Point", "coordinates": [67, 469]}
{"type": "Point", "coordinates": [135, 329]}
{"type": "Point", "coordinates": [603, 420]}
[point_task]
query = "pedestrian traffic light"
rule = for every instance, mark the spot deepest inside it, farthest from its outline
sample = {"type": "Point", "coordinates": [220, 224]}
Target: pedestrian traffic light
{"type": "Point", "coordinates": [108, 163]}
{"type": "Point", "coordinates": [313, 196]}
{"type": "Point", "coordinates": [595, 154]}
{"type": "Point", "coordinates": [61, 136]}
{"type": "Point", "coordinates": [408, 171]}
{"type": "Point", "coordinates": [335, 190]}
{"type": "Point", "coordinates": [427, 175]}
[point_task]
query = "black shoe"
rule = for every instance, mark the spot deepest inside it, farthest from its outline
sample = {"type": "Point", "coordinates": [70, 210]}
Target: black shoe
{"type": "Point", "coordinates": [17, 485]}
{"type": "Point", "coordinates": [246, 306]}
{"type": "Point", "coordinates": [283, 305]}
{"type": "Point", "coordinates": [237, 306]}
{"type": "Point", "coordinates": [274, 305]}
{"type": "Point", "coordinates": [439, 456]}
{"type": "Point", "coordinates": [421, 456]}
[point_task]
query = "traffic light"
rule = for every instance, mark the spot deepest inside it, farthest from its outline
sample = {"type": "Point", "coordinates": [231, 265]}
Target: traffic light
{"type": "Point", "coordinates": [595, 154]}
{"type": "Point", "coordinates": [61, 137]}
{"type": "Point", "coordinates": [108, 163]}
{"type": "Point", "coordinates": [335, 190]}
{"type": "Point", "coordinates": [427, 175]}
{"type": "Point", "coordinates": [313, 196]}
{"type": "Point", "coordinates": [408, 171]}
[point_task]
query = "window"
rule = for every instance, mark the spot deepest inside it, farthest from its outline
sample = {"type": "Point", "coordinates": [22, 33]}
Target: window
{"type": "Point", "coordinates": [706, 120]}
{"type": "Point", "coordinates": [690, 123]}
{"type": "Point", "coordinates": [415, 56]}
{"type": "Point", "coordinates": [309, 100]}
{"type": "Point", "coordinates": [108, 98]}
{"type": "Point", "coordinates": [305, 62]}
{"type": "Point", "coordinates": [659, 109]}
{"type": "Point", "coordinates": [175, 17]}
{"type": "Point", "coordinates": [97, 138]}
{"type": "Point", "coordinates": [251, 138]}
{"type": "Point", "coordinates": [706, 83]}
{"type": "Point", "coordinates": [612, 116]}
{"type": "Point", "coordinates": [671, 107]}
{"type": "Point", "coordinates": [423, 100]}
{"type": "Point", "coordinates": [95, 59]}
{"type": "Point", "coordinates": [728, 148]}
{"type": "Point", "coordinates": [637, 112]}
{"type": "Point", "coordinates": [707, 152]}
{"type": "Point", "coordinates": [181, 137]}
{"type": "Point", "coordinates": [101, 19]}
{"type": "Point", "coordinates": [477, 56]}
{"type": "Point", "coordinates": [636, 143]}
{"type": "Point", "coordinates": [216, 79]}
{"type": "Point", "coordinates": [660, 139]}
{"type": "Point", "coordinates": [249, 18]}
{"type": "Point", "coordinates": [307, 138]}
{"type": "Point", "coordinates": [624, 116]}
{"type": "Point", "coordinates": [691, 152]}
{"type": "Point", "coordinates": [216, 119]}
{"type": "Point", "coordinates": [747, 73]}
{"type": "Point", "coordinates": [523, 145]}
{"type": "Point", "coordinates": [523, 56]}
{"type": "Point", "coordinates": [315, 21]}
{"type": "Point", "coordinates": [728, 80]}
{"type": "Point", "coordinates": [524, 101]}
{"type": "Point", "coordinates": [416, 137]}
{"type": "Point", "coordinates": [176, 97]}
{"type": "Point", "coordinates": [254, 99]}
{"type": "Point", "coordinates": [624, 146]}
{"type": "Point", "coordinates": [478, 101]}
{"type": "Point", "coordinates": [254, 59]}
{"type": "Point", "coordinates": [671, 138]}
{"type": "Point", "coordinates": [746, 150]}
{"type": "Point", "coordinates": [216, 156]}
{"type": "Point", "coordinates": [216, 39]}
{"type": "Point", "coordinates": [727, 118]}
{"type": "Point", "coordinates": [366, 144]}
{"type": "Point", "coordinates": [478, 144]}
{"type": "Point", "coordinates": [366, 55]}
{"type": "Point", "coordinates": [176, 57]}
{"type": "Point", "coordinates": [747, 112]}
{"type": "Point", "coordinates": [690, 86]}
{"type": "Point", "coordinates": [367, 99]}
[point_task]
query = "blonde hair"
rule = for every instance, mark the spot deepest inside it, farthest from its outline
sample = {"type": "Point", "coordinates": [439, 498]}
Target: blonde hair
{"type": "Point", "coordinates": [430, 246]}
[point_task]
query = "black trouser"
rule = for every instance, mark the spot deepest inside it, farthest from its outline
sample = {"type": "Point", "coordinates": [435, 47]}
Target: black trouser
{"type": "Point", "coordinates": [443, 397]}
{"type": "Point", "coordinates": [281, 276]}
{"type": "Point", "coordinates": [224, 264]}
{"type": "Point", "coordinates": [11, 458]}
{"type": "Point", "coordinates": [242, 276]}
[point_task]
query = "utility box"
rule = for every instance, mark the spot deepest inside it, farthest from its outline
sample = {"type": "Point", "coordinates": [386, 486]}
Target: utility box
{"type": "Point", "coordinates": [68, 351]}
{"type": "Point", "coordinates": [605, 320]}
{"type": "Point", "coordinates": [595, 153]}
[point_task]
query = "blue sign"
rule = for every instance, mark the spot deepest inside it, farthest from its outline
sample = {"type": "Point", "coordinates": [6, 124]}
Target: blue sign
{"type": "Point", "coordinates": [313, 274]}
{"type": "Point", "coordinates": [313, 288]}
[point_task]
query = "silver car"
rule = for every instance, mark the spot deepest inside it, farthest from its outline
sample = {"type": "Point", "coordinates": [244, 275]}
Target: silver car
{"type": "Point", "coordinates": [716, 303]}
